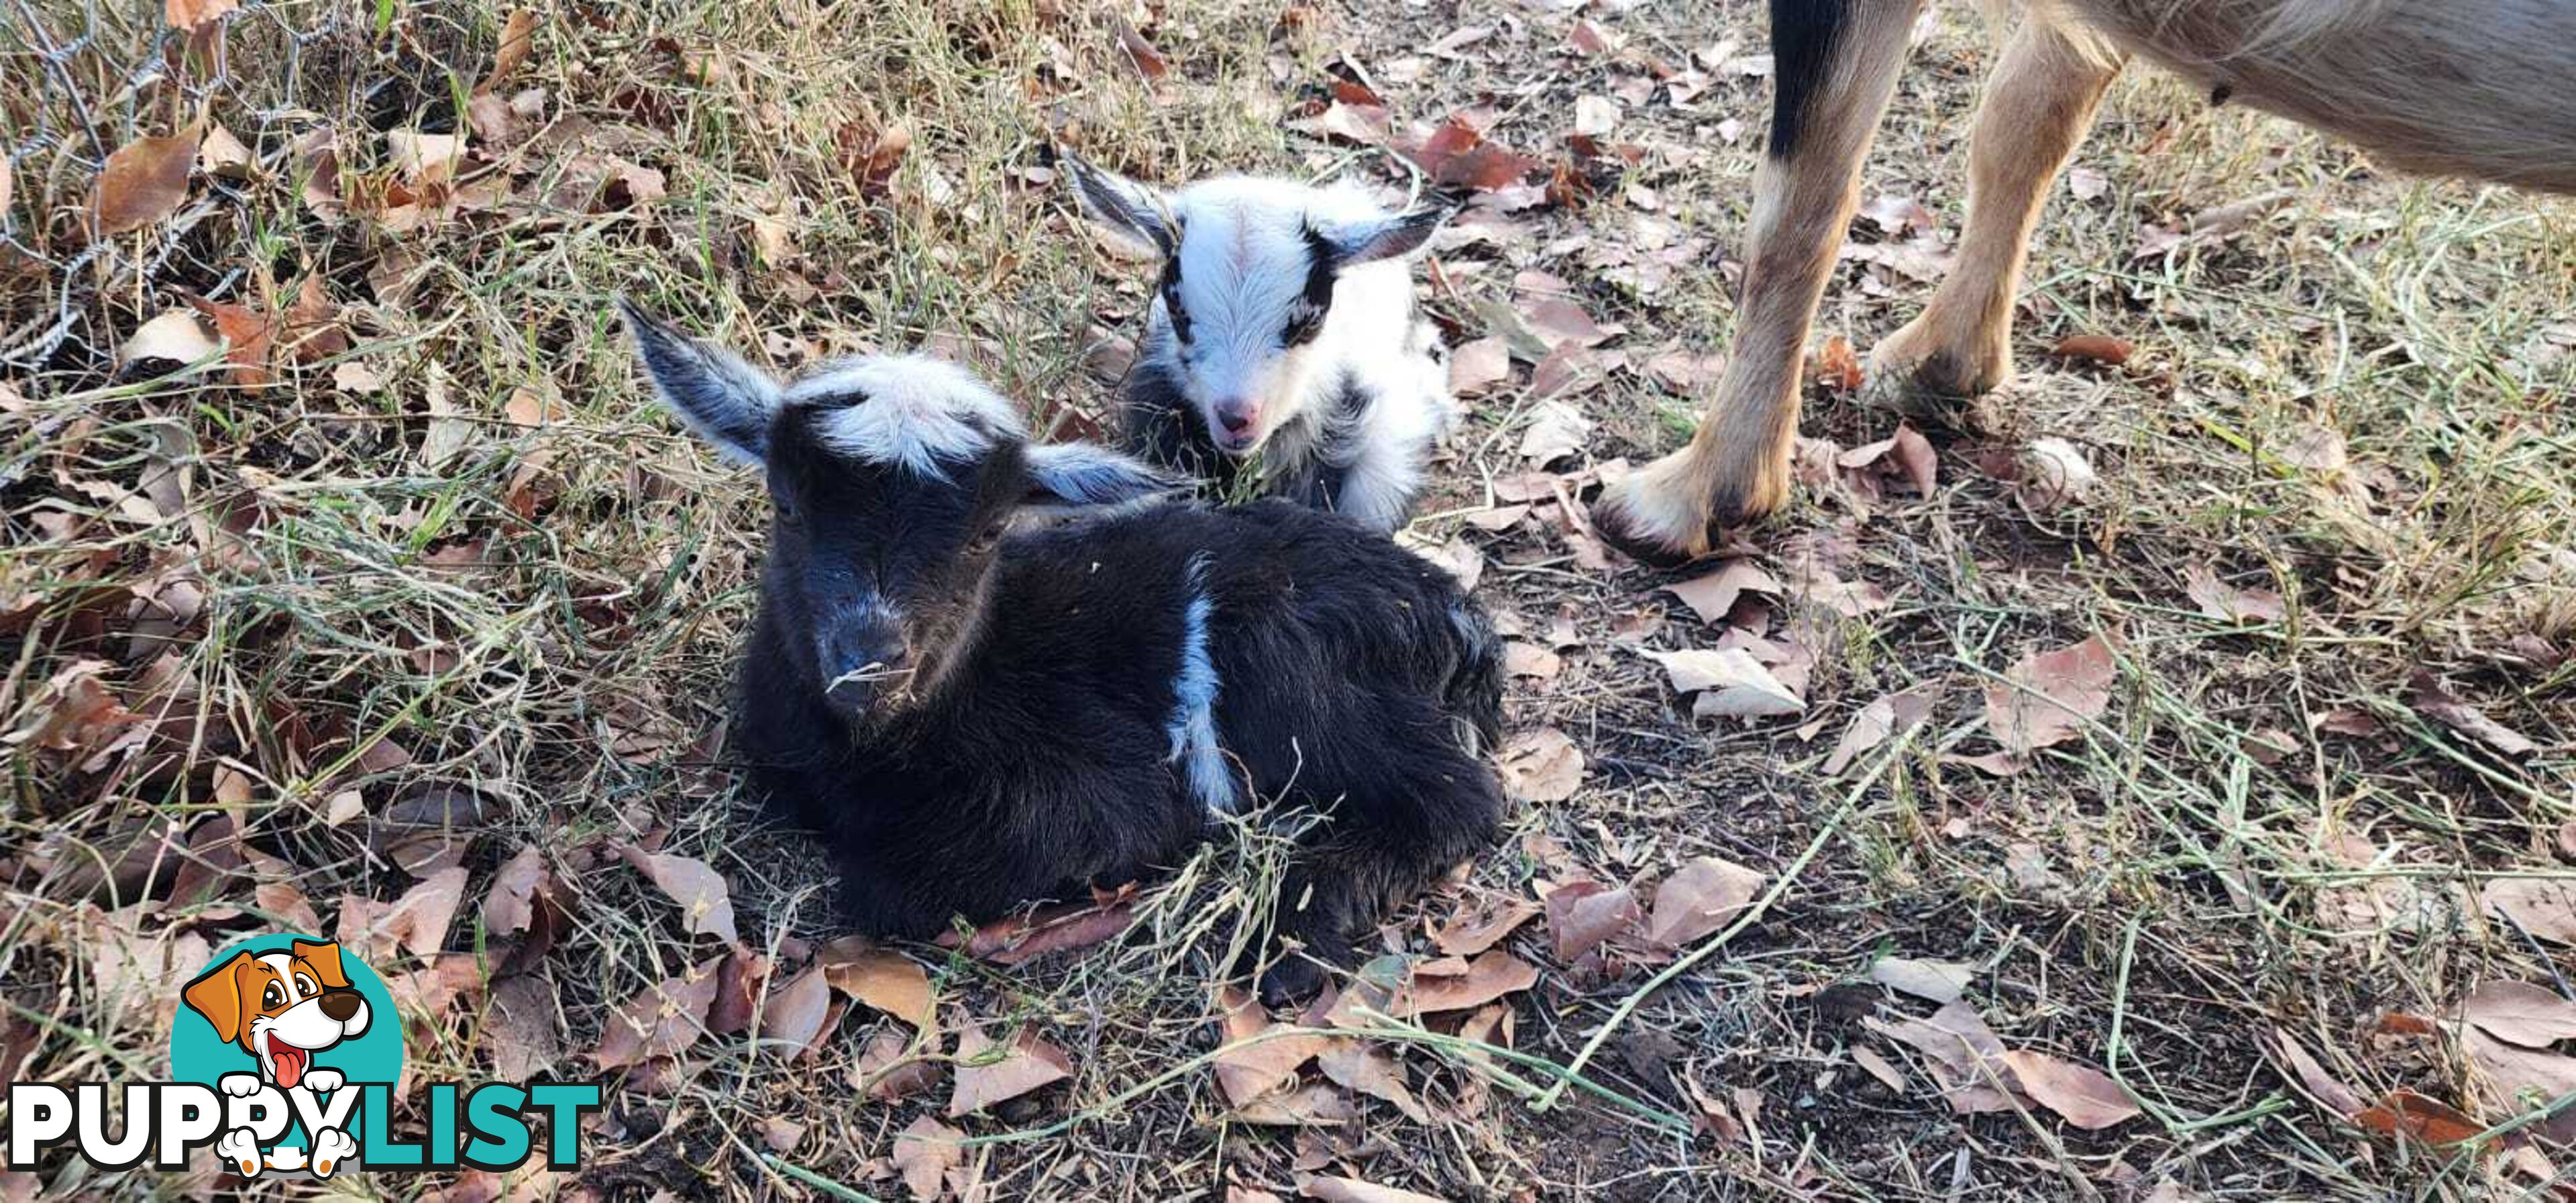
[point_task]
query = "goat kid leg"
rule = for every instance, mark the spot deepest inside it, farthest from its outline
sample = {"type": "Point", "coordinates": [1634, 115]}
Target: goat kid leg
{"type": "Point", "coordinates": [1836, 63]}
{"type": "Point", "coordinates": [2037, 106]}
{"type": "Point", "coordinates": [1377, 848]}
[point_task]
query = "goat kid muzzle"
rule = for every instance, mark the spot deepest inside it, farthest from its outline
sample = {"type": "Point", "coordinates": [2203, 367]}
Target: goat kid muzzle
{"type": "Point", "coordinates": [860, 660]}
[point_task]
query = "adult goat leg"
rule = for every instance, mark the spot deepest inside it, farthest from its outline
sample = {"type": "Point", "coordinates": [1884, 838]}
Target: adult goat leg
{"type": "Point", "coordinates": [2037, 106]}
{"type": "Point", "coordinates": [1834, 64]}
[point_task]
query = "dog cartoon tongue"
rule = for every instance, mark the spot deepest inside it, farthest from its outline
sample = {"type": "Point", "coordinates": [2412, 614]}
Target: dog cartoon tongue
{"type": "Point", "coordinates": [290, 1061]}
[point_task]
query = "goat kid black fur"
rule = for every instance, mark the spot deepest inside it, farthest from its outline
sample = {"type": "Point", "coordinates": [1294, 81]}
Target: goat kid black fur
{"type": "Point", "coordinates": [977, 715]}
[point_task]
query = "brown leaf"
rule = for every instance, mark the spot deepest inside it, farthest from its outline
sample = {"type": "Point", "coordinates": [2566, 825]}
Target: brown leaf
{"type": "Point", "coordinates": [1489, 976]}
{"type": "Point", "coordinates": [1898, 215]}
{"type": "Point", "coordinates": [1140, 53]}
{"type": "Point", "coordinates": [249, 334]}
{"type": "Point", "coordinates": [1877, 1067]}
{"type": "Point", "coordinates": [2086, 1097]}
{"type": "Point", "coordinates": [1466, 934]}
{"type": "Point", "coordinates": [793, 1017]}
{"type": "Point", "coordinates": [2334, 1094]}
{"type": "Point", "coordinates": [1877, 722]}
{"type": "Point", "coordinates": [1248, 1066]}
{"type": "Point", "coordinates": [1582, 915]}
{"type": "Point", "coordinates": [1314, 1105]}
{"type": "Point", "coordinates": [1557, 430]}
{"type": "Point", "coordinates": [191, 14]}
{"type": "Point", "coordinates": [2542, 906]}
{"type": "Point", "coordinates": [420, 921]}
{"type": "Point", "coordinates": [510, 905]}
{"type": "Point", "coordinates": [2428, 696]}
{"type": "Point", "coordinates": [144, 182]}
{"type": "Point", "coordinates": [1938, 981]}
{"type": "Point", "coordinates": [889, 1071]}
{"type": "Point", "coordinates": [1699, 899]}
{"type": "Point", "coordinates": [220, 153]}
{"type": "Point", "coordinates": [2046, 698]}
{"type": "Point", "coordinates": [1838, 366]}
{"type": "Point", "coordinates": [518, 38]}
{"type": "Point", "coordinates": [2517, 1080]}
{"type": "Point", "coordinates": [521, 1029]}
{"type": "Point", "coordinates": [705, 905]}
{"type": "Point", "coordinates": [1332, 1189]}
{"type": "Point", "coordinates": [1713, 596]}
{"type": "Point", "coordinates": [1541, 766]}
{"type": "Point", "coordinates": [1373, 1072]}
{"type": "Point", "coordinates": [2103, 349]}
{"type": "Point", "coordinates": [1731, 681]}
{"type": "Point", "coordinates": [2418, 1118]}
{"type": "Point", "coordinates": [2521, 1013]}
{"type": "Point", "coordinates": [2227, 603]}
{"type": "Point", "coordinates": [1021, 938]}
{"type": "Point", "coordinates": [1476, 367]}
{"type": "Point", "coordinates": [176, 335]}
{"type": "Point", "coordinates": [1558, 321]}
{"type": "Point", "coordinates": [924, 1153]}
{"type": "Point", "coordinates": [881, 978]}
{"type": "Point", "coordinates": [2313, 448]}
{"type": "Point", "coordinates": [988, 1073]}
{"type": "Point", "coordinates": [1964, 1054]}
{"type": "Point", "coordinates": [662, 1020]}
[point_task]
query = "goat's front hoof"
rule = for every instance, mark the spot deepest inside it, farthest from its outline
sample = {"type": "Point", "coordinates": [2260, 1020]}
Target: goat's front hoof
{"type": "Point", "coordinates": [1673, 510]}
{"type": "Point", "coordinates": [1293, 980]}
{"type": "Point", "coordinates": [1916, 373]}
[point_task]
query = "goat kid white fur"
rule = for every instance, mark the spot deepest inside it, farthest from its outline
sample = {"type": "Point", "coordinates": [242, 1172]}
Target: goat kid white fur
{"type": "Point", "coordinates": [1284, 325]}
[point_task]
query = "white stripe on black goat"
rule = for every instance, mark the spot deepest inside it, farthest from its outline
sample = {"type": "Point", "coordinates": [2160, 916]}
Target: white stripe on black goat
{"type": "Point", "coordinates": [978, 713]}
{"type": "Point", "coordinates": [1284, 324]}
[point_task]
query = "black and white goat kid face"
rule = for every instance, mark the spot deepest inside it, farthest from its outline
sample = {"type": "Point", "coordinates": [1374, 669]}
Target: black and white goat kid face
{"type": "Point", "coordinates": [1283, 322]}
{"type": "Point", "coordinates": [891, 481]}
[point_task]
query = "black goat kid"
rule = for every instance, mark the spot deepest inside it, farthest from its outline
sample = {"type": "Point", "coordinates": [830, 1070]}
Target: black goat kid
{"type": "Point", "coordinates": [978, 713]}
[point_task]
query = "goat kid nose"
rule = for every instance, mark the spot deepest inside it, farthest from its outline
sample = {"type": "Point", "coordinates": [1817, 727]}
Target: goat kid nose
{"type": "Point", "coordinates": [1238, 417]}
{"type": "Point", "coordinates": [340, 1005]}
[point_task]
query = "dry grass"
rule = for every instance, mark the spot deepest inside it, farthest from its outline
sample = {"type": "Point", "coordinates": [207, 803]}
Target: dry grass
{"type": "Point", "coordinates": [293, 581]}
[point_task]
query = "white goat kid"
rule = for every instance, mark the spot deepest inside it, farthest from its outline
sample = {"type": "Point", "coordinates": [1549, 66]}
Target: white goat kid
{"type": "Point", "coordinates": [1284, 325]}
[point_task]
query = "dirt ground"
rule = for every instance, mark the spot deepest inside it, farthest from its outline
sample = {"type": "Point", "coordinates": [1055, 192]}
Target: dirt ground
{"type": "Point", "coordinates": [2157, 783]}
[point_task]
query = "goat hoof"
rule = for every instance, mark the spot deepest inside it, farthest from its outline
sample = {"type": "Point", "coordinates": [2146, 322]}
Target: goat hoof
{"type": "Point", "coordinates": [1933, 384]}
{"type": "Point", "coordinates": [1293, 980]}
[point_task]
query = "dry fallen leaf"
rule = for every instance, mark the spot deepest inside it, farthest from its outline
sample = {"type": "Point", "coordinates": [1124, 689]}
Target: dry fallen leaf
{"type": "Point", "coordinates": [705, 905]}
{"type": "Point", "coordinates": [1556, 431]}
{"type": "Point", "coordinates": [1373, 1072]}
{"type": "Point", "coordinates": [2227, 603]}
{"type": "Point", "coordinates": [192, 14]}
{"type": "Point", "coordinates": [1476, 367]}
{"type": "Point", "coordinates": [2336, 1096]}
{"type": "Point", "coordinates": [879, 977]}
{"type": "Point", "coordinates": [1878, 721]}
{"type": "Point", "coordinates": [795, 1015]}
{"type": "Point", "coordinates": [986, 1076]}
{"type": "Point", "coordinates": [2545, 907]}
{"type": "Point", "coordinates": [176, 336]}
{"type": "Point", "coordinates": [1713, 596]}
{"type": "Point", "coordinates": [1249, 1066]}
{"type": "Point", "coordinates": [518, 37]}
{"type": "Point", "coordinates": [2054, 474]}
{"type": "Point", "coordinates": [2521, 1013]}
{"type": "Point", "coordinates": [1541, 766]}
{"type": "Point", "coordinates": [144, 182]}
{"type": "Point", "coordinates": [1965, 1056]}
{"type": "Point", "coordinates": [1731, 682]}
{"type": "Point", "coordinates": [2418, 1118]}
{"type": "Point", "coordinates": [2428, 696]}
{"type": "Point", "coordinates": [1467, 934]}
{"type": "Point", "coordinates": [2516, 1080]}
{"type": "Point", "coordinates": [924, 1153]}
{"type": "Point", "coordinates": [1700, 898]}
{"type": "Point", "coordinates": [1583, 915]}
{"type": "Point", "coordinates": [2086, 1097]}
{"type": "Point", "coordinates": [1489, 976]}
{"type": "Point", "coordinates": [1937, 981]}
{"type": "Point", "coordinates": [1838, 366]}
{"type": "Point", "coordinates": [2045, 699]}
{"type": "Point", "coordinates": [1331, 1189]}
{"type": "Point", "coordinates": [2103, 349]}
{"type": "Point", "coordinates": [662, 1020]}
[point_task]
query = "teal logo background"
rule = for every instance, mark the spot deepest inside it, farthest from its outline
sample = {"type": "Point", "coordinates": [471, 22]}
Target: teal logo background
{"type": "Point", "coordinates": [198, 1054]}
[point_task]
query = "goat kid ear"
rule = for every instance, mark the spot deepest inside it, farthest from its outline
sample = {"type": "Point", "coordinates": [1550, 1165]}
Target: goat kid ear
{"type": "Point", "coordinates": [1392, 238]}
{"type": "Point", "coordinates": [1089, 474]}
{"type": "Point", "coordinates": [1138, 216]}
{"type": "Point", "coordinates": [727, 401]}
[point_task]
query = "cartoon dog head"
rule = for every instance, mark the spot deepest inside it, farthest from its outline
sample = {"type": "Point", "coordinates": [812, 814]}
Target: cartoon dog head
{"type": "Point", "coordinates": [281, 1006]}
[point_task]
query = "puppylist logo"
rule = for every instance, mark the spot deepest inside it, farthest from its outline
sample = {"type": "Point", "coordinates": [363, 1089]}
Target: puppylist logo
{"type": "Point", "coordinates": [284, 1058]}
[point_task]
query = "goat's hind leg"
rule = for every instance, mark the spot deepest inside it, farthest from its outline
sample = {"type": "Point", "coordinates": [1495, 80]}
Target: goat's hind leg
{"type": "Point", "coordinates": [2037, 106]}
{"type": "Point", "coordinates": [1836, 63]}
{"type": "Point", "coordinates": [1428, 811]}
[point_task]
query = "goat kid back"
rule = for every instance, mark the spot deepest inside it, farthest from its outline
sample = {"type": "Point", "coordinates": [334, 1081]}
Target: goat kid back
{"type": "Point", "coordinates": [1282, 349]}
{"type": "Point", "coordinates": [978, 711]}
